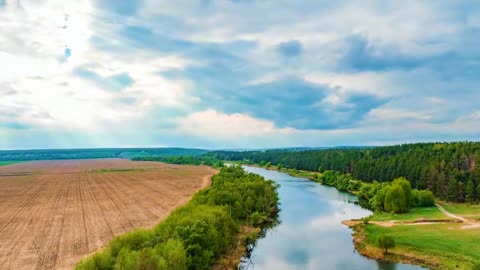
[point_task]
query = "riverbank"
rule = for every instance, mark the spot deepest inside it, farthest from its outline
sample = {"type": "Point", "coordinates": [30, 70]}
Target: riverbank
{"type": "Point", "coordinates": [397, 255]}
{"type": "Point", "coordinates": [247, 236]}
{"type": "Point", "coordinates": [429, 238]}
{"type": "Point", "coordinates": [424, 236]}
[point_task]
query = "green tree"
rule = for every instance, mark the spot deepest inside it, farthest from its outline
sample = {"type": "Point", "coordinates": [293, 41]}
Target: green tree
{"type": "Point", "coordinates": [146, 260]}
{"type": "Point", "coordinates": [174, 255]}
{"type": "Point", "coordinates": [395, 200]}
{"type": "Point", "coordinates": [452, 190]}
{"type": "Point", "coordinates": [407, 189]}
{"type": "Point", "coordinates": [441, 186]}
{"type": "Point", "coordinates": [386, 242]}
{"type": "Point", "coordinates": [470, 190]}
{"type": "Point", "coordinates": [378, 201]}
{"type": "Point", "coordinates": [126, 260]}
{"type": "Point", "coordinates": [478, 192]}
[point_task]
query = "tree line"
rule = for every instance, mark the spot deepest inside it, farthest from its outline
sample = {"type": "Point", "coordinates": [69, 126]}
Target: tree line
{"type": "Point", "coordinates": [185, 160]}
{"type": "Point", "coordinates": [449, 170]}
{"type": "Point", "coordinates": [197, 235]}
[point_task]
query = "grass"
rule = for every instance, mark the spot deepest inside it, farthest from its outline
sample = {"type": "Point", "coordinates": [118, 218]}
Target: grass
{"type": "Point", "coordinates": [466, 210]}
{"type": "Point", "coordinates": [6, 163]}
{"type": "Point", "coordinates": [427, 213]}
{"type": "Point", "coordinates": [443, 246]}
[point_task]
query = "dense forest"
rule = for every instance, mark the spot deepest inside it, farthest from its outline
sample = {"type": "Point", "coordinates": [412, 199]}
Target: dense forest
{"type": "Point", "coordinates": [197, 235]}
{"type": "Point", "coordinates": [450, 170]}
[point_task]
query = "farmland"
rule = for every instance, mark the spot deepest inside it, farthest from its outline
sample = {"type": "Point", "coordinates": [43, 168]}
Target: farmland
{"type": "Point", "coordinates": [57, 212]}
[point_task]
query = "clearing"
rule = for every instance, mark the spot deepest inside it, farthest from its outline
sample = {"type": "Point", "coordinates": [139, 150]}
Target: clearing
{"type": "Point", "coordinates": [56, 212]}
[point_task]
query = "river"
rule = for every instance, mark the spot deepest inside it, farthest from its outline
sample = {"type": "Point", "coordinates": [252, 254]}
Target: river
{"type": "Point", "coordinates": [310, 235]}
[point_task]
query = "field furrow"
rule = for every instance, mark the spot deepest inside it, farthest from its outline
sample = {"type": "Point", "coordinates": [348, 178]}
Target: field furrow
{"type": "Point", "coordinates": [56, 212]}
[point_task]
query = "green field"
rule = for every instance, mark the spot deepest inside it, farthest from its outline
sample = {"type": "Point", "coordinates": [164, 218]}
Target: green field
{"type": "Point", "coordinates": [466, 210]}
{"type": "Point", "coordinates": [444, 246]}
{"type": "Point", "coordinates": [426, 213]}
{"type": "Point", "coordinates": [5, 163]}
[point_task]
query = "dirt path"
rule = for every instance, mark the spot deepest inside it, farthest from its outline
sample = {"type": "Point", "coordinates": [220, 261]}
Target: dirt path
{"type": "Point", "coordinates": [471, 224]}
{"type": "Point", "coordinates": [452, 215]}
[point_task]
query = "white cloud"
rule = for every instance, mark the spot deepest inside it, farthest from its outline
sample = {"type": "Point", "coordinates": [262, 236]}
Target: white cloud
{"type": "Point", "coordinates": [211, 123]}
{"type": "Point", "coordinates": [38, 79]}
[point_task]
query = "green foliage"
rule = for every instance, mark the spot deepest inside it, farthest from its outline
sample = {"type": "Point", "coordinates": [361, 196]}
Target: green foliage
{"type": "Point", "coordinates": [343, 182]}
{"type": "Point", "coordinates": [385, 242]}
{"type": "Point", "coordinates": [443, 168]}
{"type": "Point", "coordinates": [185, 160]}
{"type": "Point", "coordinates": [452, 190]}
{"type": "Point", "coordinates": [126, 259]}
{"type": "Point", "coordinates": [470, 191]}
{"type": "Point", "coordinates": [197, 235]}
{"type": "Point", "coordinates": [425, 198]}
{"type": "Point", "coordinates": [407, 189]}
{"type": "Point", "coordinates": [395, 200]}
{"type": "Point", "coordinates": [279, 166]}
{"type": "Point", "coordinates": [377, 202]}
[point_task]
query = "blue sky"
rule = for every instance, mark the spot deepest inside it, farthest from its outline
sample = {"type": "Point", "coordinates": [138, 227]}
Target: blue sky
{"type": "Point", "coordinates": [237, 74]}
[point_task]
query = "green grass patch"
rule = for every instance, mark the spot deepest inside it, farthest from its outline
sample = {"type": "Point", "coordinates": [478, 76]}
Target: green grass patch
{"type": "Point", "coordinates": [6, 163]}
{"type": "Point", "coordinates": [466, 210]}
{"type": "Point", "coordinates": [427, 213]}
{"type": "Point", "coordinates": [445, 244]}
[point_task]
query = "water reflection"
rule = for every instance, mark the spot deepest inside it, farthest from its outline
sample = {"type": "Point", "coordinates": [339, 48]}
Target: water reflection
{"type": "Point", "coordinates": [311, 235]}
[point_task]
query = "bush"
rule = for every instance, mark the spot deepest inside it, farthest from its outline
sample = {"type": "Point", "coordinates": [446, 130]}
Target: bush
{"type": "Point", "coordinates": [426, 198]}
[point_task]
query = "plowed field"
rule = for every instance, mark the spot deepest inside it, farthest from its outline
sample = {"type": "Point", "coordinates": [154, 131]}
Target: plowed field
{"type": "Point", "coordinates": [53, 213]}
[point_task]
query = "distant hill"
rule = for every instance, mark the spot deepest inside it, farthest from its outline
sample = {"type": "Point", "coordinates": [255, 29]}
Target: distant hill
{"type": "Point", "coordinates": [128, 153]}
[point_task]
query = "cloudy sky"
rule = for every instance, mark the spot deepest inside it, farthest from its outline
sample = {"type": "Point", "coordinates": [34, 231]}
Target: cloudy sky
{"type": "Point", "coordinates": [237, 73]}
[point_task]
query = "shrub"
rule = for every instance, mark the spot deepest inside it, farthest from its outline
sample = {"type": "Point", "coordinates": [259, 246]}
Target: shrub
{"type": "Point", "coordinates": [426, 198]}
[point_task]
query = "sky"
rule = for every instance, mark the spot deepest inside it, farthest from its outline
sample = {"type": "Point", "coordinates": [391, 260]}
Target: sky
{"type": "Point", "coordinates": [237, 73]}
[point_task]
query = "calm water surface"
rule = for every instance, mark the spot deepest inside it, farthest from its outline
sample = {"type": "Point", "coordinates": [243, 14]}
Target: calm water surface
{"type": "Point", "coordinates": [311, 235]}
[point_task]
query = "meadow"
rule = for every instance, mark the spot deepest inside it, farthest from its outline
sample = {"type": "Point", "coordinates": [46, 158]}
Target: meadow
{"type": "Point", "coordinates": [439, 246]}
{"type": "Point", "coordinates": [418, 213]}
{"type": "Point", "coordinates": [467, 210]}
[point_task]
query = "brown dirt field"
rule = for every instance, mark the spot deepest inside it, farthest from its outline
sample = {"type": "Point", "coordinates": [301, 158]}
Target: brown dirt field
{"type": "Point", "coordinates": [53, 213]}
